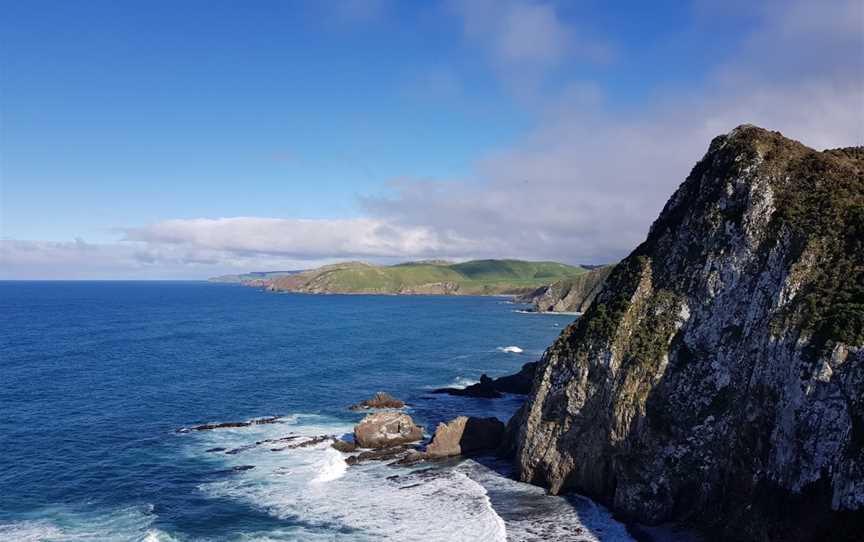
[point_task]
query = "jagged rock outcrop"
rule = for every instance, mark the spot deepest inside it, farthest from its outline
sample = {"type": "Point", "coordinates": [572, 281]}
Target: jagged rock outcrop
{"type": "Point", "coordinates": [379, 400]}
{"type": "Point", "coordinates": [718, 377]}
{"type": "Point", "coordinates": [571, 294]}
{"type": "Point", "coordinates": [386, 429]}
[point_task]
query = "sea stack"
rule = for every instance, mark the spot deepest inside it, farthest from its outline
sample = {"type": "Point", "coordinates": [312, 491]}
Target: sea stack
{"type": "Point", "coordinates": [718, 377]}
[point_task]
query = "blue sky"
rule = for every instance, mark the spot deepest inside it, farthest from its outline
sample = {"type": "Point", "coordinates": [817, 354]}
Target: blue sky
{"type": "Point", "coordinates": [181, 139]}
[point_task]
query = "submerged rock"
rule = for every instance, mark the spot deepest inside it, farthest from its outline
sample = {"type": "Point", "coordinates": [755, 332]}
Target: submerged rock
{"type": "Point", "coordinates": [344, 446]}
{"type": "Point", "coordinates": [465, 435]}
{"type": "Point", "coordinates": [230, 425]}
{"type": "Point", "coordinates": [383, 454]}
{"type": "Point", "coordinates": [386, 429]}
{"type": "Point", "coordinates": [718, 376]}
{"type": "Point", "coordinates": [379, 400]}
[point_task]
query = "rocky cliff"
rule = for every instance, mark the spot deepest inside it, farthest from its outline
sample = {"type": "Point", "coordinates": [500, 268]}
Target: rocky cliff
{"type": "Point", "coordinates": [571, 294]}
{"type": "Point", "coordinates": [718, 377]}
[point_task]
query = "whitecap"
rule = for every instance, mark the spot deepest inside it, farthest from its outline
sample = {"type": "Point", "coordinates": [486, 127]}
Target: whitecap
{"type": "Point", "coordinates": [331, 467]}
{"type": "Point", "coordinates": [510, 349]}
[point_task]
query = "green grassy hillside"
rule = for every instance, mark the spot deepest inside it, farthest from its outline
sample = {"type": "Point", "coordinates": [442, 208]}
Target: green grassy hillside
{"type": "Point", "coordinates": [474, 277]}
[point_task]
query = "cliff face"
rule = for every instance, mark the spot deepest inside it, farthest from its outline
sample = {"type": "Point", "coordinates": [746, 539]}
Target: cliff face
{"type": "Point", "coordinates": [718, 377]}
{"type": "Point", "coordinates": [571, 294]}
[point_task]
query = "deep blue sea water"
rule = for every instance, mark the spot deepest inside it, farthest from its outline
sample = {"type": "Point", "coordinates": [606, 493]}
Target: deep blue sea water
{"type": "Point", "coordinates": [95, 378]}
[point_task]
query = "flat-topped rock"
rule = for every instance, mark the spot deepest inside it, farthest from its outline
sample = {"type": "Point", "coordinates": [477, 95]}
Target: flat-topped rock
{"type": "Point", "coordinates": [386, 429]}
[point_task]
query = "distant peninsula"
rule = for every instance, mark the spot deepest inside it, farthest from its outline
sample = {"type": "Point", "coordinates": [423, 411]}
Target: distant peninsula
{"type": "Point", "coordinates": [429, 277]}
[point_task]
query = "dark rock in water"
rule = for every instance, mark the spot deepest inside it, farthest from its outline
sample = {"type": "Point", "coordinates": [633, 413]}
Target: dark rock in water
{"type": "Point", "coordinates": [465, 435]}
{"type": "Point", "coordinates": [241, 468]}
{"type": "Point", "coordinates": [484, 389]}
{"type": "Point", "coordinates": [383, 454]}
{"type": "Point", "coordinates": [379, 400]}
{"type": "Point", "coordinates": [245, 447]}
{"type": "Point", "coordinates": [212, 450]}
{"type": "Point", "coordinates": [519, 383]}
{"type": "Point", "coordinates": [312, 441]}
{"type": "Point", "coordinates": [344, 446]}
{"type": "Point", "coordinates": [718, 377]}
{"type": "Point", "coordinates": [237, 450]}
{"type": "Point", "coordinates": [230, 425]}
{"type": "Point", "coordinates": [492, 388]}
{"type": "Point", "coordinates": [386, 429]}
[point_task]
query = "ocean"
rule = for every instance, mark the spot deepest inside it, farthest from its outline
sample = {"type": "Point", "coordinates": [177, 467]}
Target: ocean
{"type": "Point", "coordinates": [96, 378]}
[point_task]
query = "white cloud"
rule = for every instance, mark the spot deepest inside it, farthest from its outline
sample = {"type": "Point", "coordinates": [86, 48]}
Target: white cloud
{"type": "Point", "coordinates": [294, 238]}
{"type": "Point", "coordinates": [585, 186]}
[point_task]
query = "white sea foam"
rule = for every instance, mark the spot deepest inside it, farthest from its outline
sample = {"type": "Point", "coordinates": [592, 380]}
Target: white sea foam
{"type": "Point", "coordinates": [313, 488]}
{"type": "Point", "coordinates": [30, 531]}
{"type": "Point", "coordinates": [530, 515]}
{"type": "Point", "coordinates": [66, 525]}
{"type": "Point", "coordinates": [323, 499]}
{"type": "Point", "coordinates": [510, 349]}
{"type": "Point", "coordinates": [331, 467]}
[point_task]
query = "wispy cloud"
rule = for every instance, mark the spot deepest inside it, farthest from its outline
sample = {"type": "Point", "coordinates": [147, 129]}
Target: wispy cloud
{"type": "Point", "coordinates": [525, 39]}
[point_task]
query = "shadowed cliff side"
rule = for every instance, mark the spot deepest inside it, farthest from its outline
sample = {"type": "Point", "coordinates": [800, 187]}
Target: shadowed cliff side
{"type": "Point", "coordinates": [718, 377]}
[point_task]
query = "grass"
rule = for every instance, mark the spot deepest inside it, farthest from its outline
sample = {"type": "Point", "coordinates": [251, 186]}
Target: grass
{"type": "Point", "coordinates": [474, 277]}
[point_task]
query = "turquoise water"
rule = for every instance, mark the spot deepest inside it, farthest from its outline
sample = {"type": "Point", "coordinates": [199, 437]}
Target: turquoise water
{"type": "Point", "coordinates": [97, 376]}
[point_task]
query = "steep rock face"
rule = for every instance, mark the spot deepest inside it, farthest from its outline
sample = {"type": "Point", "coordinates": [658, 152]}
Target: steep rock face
{"type": "Point", "coordinates": [718, 377]}
{"type": "Point", "coordinates": [572, 294]}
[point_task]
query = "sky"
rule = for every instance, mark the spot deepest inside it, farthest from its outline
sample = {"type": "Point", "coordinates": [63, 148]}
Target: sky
{"type": "Point", "coordinates": [182, 140]}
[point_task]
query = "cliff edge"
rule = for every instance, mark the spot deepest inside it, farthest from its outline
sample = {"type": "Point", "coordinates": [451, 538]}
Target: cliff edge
{"type": "Point", "coordinates": [718, 377]}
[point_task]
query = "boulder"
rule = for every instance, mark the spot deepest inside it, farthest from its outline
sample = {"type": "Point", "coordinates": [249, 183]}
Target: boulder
{"type": "Point", "coordinates": [465, 435]}
{"type": "Point", "coordinates": [386, 429]}
{"type": "Point", "coordinates": [379, 400]}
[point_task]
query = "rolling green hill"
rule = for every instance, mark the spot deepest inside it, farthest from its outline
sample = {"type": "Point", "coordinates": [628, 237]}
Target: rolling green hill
{"type": "Point", "coordinates": [478, 277]}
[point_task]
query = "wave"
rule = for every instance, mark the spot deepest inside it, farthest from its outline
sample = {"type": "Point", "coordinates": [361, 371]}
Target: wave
{"type": "Point", "coordinates": [510, 349]}
{"type": "Point", "coordinates": [319, 496]}
{"type": "Point", "coordinates": [528, 513]}
{"type": "Point", "coordinates": [68, 525]}
{"type": "Point", "coordinates": [332, 467]}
